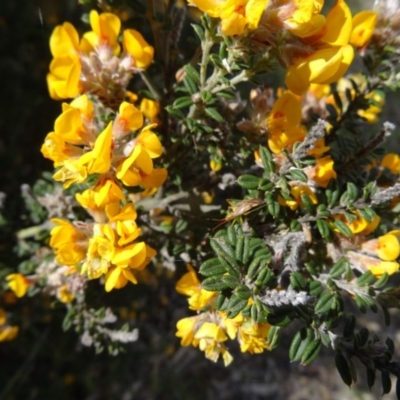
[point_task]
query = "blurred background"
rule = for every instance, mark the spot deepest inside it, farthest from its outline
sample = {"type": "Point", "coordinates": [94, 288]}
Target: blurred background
{"type": "Point", "coordinates": [44, 362]}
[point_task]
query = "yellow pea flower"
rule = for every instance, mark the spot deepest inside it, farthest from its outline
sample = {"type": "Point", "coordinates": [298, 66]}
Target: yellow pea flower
{"type": "Point", "coordinates": [18, 283]}
{"type": "Point", "coordinates": [283, 123]}
{"type": "Point", "coordinates": [117, 278]}
{"type": "Point", "coordinates": [63, 79]}
{"type": "Point", "coordinates": [57, 150]}
{"type": "Point", "coordinates": [150, 109]}
{"type": "Point", "coordinates": [306, 20]}
{"type": "Point", "coordinates": [297, 191]}
{"type": "Point", "coordinates": [71, 172]}
{"type": "Point", "coordinates": [388, 247]}
{"type": "Point", "coordinates": [69, 242]}
{"type": "Point", "coordinates": [380, 267]}
{"type": "Point", "coordinates": [7, 332]}
{"type": "Point", "coordinates": [391, 161]}
{"type": "Point", "coordinates": [105, 31]}
{"type": "Point", "coordinates": [64, 40]}
{"type": "Point", "coordinates": [155, 179]}
{"type": "Point", "coordinates": [133, 255]}
{"type": "Point", "coordinates": [129, 119]}
{"type": "Point", "coordinates": [150, 142]}
{"type": "Point", "coordinates": [363, 27]}
{"type": "Point", "coordinates": [323, 171]}
{"type": "Point", "coordinates": [135, 45]}
{"type": "Point", "coordinates": [235, 14]}
{"type": "Point", "coordinates": [98, 160]}
{"type": "Point", "coordinates": [338, 25]}
{"type": "Point", "coordinates": [64, 295]}
{"type": "Point", "coordinates": [324, 66]}
{"type": "Point", "coordinates": [186, 329]}
{"type": "Point", "coordinates": [253, 337]}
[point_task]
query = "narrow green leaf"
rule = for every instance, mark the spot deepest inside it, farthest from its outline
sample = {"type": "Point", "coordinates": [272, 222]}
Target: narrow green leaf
{"type": "Point", "coordinates": [214, 283]}
{"type": "Point", "coordinates": [297, 281]}
{"type": "Point", "coordinates": [324, 303]}
{"type": "Point", "coordinates": [212, 267]}
{"type": "Point", "coordinates": [299, 343]}
{"type": "Point", "coordinates": [214, 114]}
{"type": "Point", "coordinates": [297, 175]}
{"type": "Point", "coordinates": [343, 228]}
{"type": "Point", "coordinates": [311, 352]}
{"type": "Point", "coordinates": [250, 182]}
{"type": "Point", "coordinates": [192, 73]}
{"type": "Point", "coordinates": [239, 248]}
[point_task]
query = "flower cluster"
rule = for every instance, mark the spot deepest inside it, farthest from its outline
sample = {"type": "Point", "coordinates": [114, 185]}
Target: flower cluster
{"type": "Point", "coordinates": [210, 328]}
{"type": "Point", "coordinates": [95, 64]}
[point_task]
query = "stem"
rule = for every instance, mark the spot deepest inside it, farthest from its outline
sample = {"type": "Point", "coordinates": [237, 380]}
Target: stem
{"type": "Point", "coordinates": [150, 85]}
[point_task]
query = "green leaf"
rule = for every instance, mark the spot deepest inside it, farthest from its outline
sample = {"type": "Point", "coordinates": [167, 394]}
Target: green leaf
{"type": "Point", "coordinates": [343, 368]}
{"type": "Point", "coordinates": [212, 267]}
{"type": "Point", "coordinates": [324, 228]}
{"type": "Point", "coordinates": [232, 237]}
{"type": "Point", "coordinates": [365, 279]}
{"type": "Point", "coordinates": [239, 248]}
{"type": "Point", "coordinates": [250, 182]}
{"type": "Point", "coordinates": [382, 281]}
{"type": "Point", "coordinates": [343, 228]}
{"type": "Point", "coordinates": [235, 306]}
{"type": "Point", "coordinates": [352, 191]}
{"type": "Point", "coordinates": [299, 344]}
{"type": "Point", "coordinates": [243, 292]}
{"type": "Point", "coordinates": [273, 336]}
{"type": "Point", "coordinates": [214, 114]}
{"type": "Point", "coordinates": [192, 73]}
{"type": "Point", "coordinates": [214, 283]}
{"type": "Point", "coordinates": [231, 281]}
{"type": "Point", "coordinates": [311, 352]}
{"type": "Point", "coordinates": [190, 86]}
{"type": "Point", "coordinates": [199, 31]}
{"type": "Point", "coordinates": [297, 281]}
{"type": "Point", "coordinates": [216, 60]}
{"type": "Point", "coordinates": [339, 268]}
{"type": "Point", "coordinates": [297, 175]}
{"type": "Point", "coordinates": [325, 303]}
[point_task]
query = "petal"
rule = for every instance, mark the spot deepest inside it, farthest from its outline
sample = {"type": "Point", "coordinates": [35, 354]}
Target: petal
{"type": "Point", "coordinates": [141, 52]}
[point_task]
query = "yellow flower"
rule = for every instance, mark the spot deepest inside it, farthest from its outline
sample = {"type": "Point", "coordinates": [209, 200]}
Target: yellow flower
{"type": "Point", "coordinates": [105, 31]}
{"type": "Point", "coordinates": [235, 14]}
{"type": "Point", "coordinates": [98, 160]}
{"type": "Point", "coordinates": [117, 278]}
{"type": "Point", "coordinates": [105, 192]}
{"type": "Point", "coordinates": [283, 123]}
{"type": "Point", "coordinates": [323, 171]}
{"type": "Point", "coordinates": [70, 243]}
{"type": "Point", "coordinates": [305, 20]}
{"type": "Point", "coordinates": [210, 337]}
{"type": "Point", "coordinates": [63, 79]}
{"type": "Point", "coordinates": [140, 51]}
{"type": "Point", "coordinates": [57, 150]}
{"type": "Point", "coordinates": [64, 40]}
{"type": "Point", "coordinates": [297, 191]}
{"type": "Point", "coordinates": [215, 165]}
{"type": "Point", "coordinates": [338, 25]}
{"type": "Point", "coordinates": [323, 66]}
{"type": "Point", "coordinates": [359, 225]}
{"type": "Point", "coordinates": [186, 329]}
{"type": "Point", "coordinates": [377, 100]}
{"type": "Point", "coordinates": [253, 337]}
{"type": "Point", "coordinates": [391, 161]}
{"type": "Point", "coordinates": [18, 283]}
{"type": "Point", "coordinates": [128, 119]}
{"type": "Point", "coordinates": [189, 285]}
{"type": "Point", "coordinates": [64, 295]}
{"type": "Point", "coordinates": [150, 109]}
{"type": "Point", "coordinates": [363, 27]}
{"type": "Point", "coordinates": [71, 172]}
{"type": "Point", "coordinates": [388, 247]}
